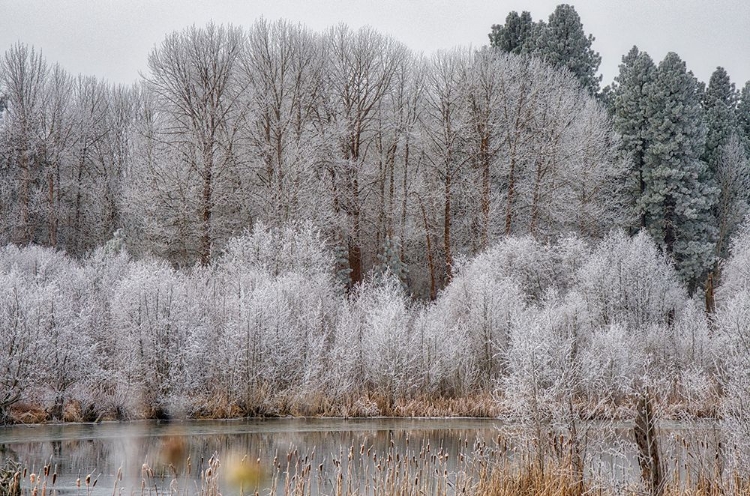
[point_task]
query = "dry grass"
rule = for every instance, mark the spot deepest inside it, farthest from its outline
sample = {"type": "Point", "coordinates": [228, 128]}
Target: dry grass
{"type": "Point", "coordinates": [413, 469]}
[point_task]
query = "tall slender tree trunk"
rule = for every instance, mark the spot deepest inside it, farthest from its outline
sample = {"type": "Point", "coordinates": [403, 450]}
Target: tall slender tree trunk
{"type": "Point", "coordinates": [24, 228]}
{"type": "Point", "coordinates": [206, 206]}
{"type": "Point", "coordinates": [51, 211]}
{"type": "Point", "coordinates": [536, 197]}
{"type": "Point", "coordinates": [511, 193]}
{"type": "Point", "coordinates": [447, 229]}
{"type": "Point", "coordinates": [485, 162]}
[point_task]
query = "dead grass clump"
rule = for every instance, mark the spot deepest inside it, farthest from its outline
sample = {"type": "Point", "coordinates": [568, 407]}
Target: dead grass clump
{"type": "Point", "coordinates": [25, 413]}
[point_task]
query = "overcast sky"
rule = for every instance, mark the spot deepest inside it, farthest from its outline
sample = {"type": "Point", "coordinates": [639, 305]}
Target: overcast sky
{"type": "Point", "coordinates": [111, 39]}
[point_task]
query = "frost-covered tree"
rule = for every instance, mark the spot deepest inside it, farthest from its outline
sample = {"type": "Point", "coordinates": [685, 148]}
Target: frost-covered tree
{"type": "Point", "coordinates": [282, 67]}
{"type": "Point", "coordinates": [360, 71]}
{"type": "Point", "coordinates": [23, 76]}
{"type": "Point", "coordinates": [732, 177]}
{"type": "Point", "coordinates": [516, 35]}
{"type": "Point", "coordinates": [562, 42]}
{"type": "Point", "coordinates": [193, 76]}
{"type": "Point", "coordinates": [631, 120]}
{"type": "Point", "coordinates": [743, 113]}
{"type": "Point", "coordinates": [719, 104]}
{"type": "Point", "coordinates": [678, 199]}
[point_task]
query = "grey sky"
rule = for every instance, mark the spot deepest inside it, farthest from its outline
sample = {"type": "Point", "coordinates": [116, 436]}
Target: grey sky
{"type": "Point", "coordinates": [112, 38]}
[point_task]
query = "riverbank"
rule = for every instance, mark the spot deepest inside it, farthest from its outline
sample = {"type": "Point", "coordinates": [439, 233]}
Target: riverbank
{"type": "Point", "coordinates": [364, 406]}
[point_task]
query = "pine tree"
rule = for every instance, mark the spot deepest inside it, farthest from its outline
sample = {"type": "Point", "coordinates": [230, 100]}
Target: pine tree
{"type": "Point", "coordinates": [563, 43]}
{"type": "Point", "coordinates": [677, 202]}
{"type": "Point", "coordinates": [390, 261]}
{"type": "Point", "coordinates": [719, 103]}
{"type": "Point", "coordinates": [637, 72]}
{"type": "Point", "coordinates": [516, 35]}
{"type": "Point", "coordinates": [743, 115]}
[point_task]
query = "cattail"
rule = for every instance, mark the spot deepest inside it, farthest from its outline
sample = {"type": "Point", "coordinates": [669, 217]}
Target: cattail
{"type": "Point", "coordinates": [32, 478]}
{"type": "Point", "coordinates": [54, 477]}
{"type": "Point", "coordinates": [78, 482]}
{"type": "Point", "coordinates": [88, 479]}
{"type": "Point", "coordinates": [46, 470]}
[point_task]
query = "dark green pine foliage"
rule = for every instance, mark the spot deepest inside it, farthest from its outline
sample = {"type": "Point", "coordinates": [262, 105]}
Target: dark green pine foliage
{"type": "Point", "coordinates": [678, 202]}
{"type": "Point", "coordinates": [743, 115]}
{"type": "Point", "coordinates": [390, 261]}
{"type": "Point", "coordinates": [563, 43]}
{"type": "Point", "coordinates": [631, 111]}
{"type": "Point", "coordinates": [516, 35]}
{"type": "Point", "coordinates": [719, 103]}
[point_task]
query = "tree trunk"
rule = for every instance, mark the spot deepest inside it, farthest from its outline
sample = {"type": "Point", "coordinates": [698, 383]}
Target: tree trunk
{"type": "Point", "coordinates": [447, 230]}
{"type": "Point", "coordinates": [206, 207]}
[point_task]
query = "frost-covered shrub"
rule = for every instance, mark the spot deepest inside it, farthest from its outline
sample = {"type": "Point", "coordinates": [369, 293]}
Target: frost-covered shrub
{"type": "Point", "coordinates": [277, 302]}
{"type": "Point", "coordinates": [613, 362]}
{"type": "Point", "coordinates": [280, 250]}
{"type": "Point", "coordinates": [735, 273]}
{"type": "Point", "coordinates": [732, 322]}
{"type": "Point", "coordinates": [523, 259]}
{"type": "Point", "coordinates": [626, 280]}
{"type": "Point", "coordinates": [147, 314]}
{"type": "Point", "coordinates": [47, 345]}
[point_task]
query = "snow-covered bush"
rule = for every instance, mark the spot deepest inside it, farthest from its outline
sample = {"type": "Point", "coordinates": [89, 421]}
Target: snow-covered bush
{"type": "Point", "coordinates": [627, 281]}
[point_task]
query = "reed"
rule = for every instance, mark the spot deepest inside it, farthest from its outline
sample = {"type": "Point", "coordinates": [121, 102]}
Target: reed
{"type": "Point", "coordinates": [505, 466]}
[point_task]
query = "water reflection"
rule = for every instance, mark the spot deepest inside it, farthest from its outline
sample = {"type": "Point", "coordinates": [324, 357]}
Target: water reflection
{"type": "Point", "coordinates": [184, 448]}
{"type": "Point", "coordinates": [156, 458]}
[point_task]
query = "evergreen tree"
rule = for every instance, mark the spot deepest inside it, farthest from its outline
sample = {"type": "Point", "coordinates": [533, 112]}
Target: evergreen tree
{"type": "Point", "coordinates": [677, 202]}
{"type": "Point", "coordinates": [719, 103]}
{"type": "Point", "coordinates": [391, 263]}
{"type": "Point", "coordinates": [743, 115]}
{"type": "Point", "coordinates": [563, 43]}
{"type": "Point", "coordinates": [631, 117]}
{"type": "Point", "coordinates": [516, 35]}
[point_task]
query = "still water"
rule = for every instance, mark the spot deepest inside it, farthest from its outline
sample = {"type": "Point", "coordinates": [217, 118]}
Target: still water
{"type": "Point", "coordinates": [75, 451]}
{"type": "Point", "coordinates": [143, 451]}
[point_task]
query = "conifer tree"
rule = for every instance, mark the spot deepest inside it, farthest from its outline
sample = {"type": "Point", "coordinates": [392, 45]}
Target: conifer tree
{"type": "Point", "coordinates": [390, 262]}
{"type": "Point", "coordinates": [677, 202]}
{"type": "Point", "coordinates": [516, 35]}
{"type": "Point", "coordinates": [743, 115]}
{"type": "Point", "coordinates": [631, 117]}
{"type": "Point", "coordinates": [563, 43]}
{"type": "Point", "coordinates": [719, 102]}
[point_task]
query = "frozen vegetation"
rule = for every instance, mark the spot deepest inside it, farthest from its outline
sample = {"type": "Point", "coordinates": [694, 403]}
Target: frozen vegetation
{"type": "Point", "coordinates": [524, 328]}
{"type": "Point", "coordinates": [276, 221]}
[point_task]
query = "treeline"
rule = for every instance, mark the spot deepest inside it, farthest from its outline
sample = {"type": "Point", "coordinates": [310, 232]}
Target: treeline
{"type": "Point", "coordinates": [684, 144]}
{"type": "Point", "coordinates": [401, 160]}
